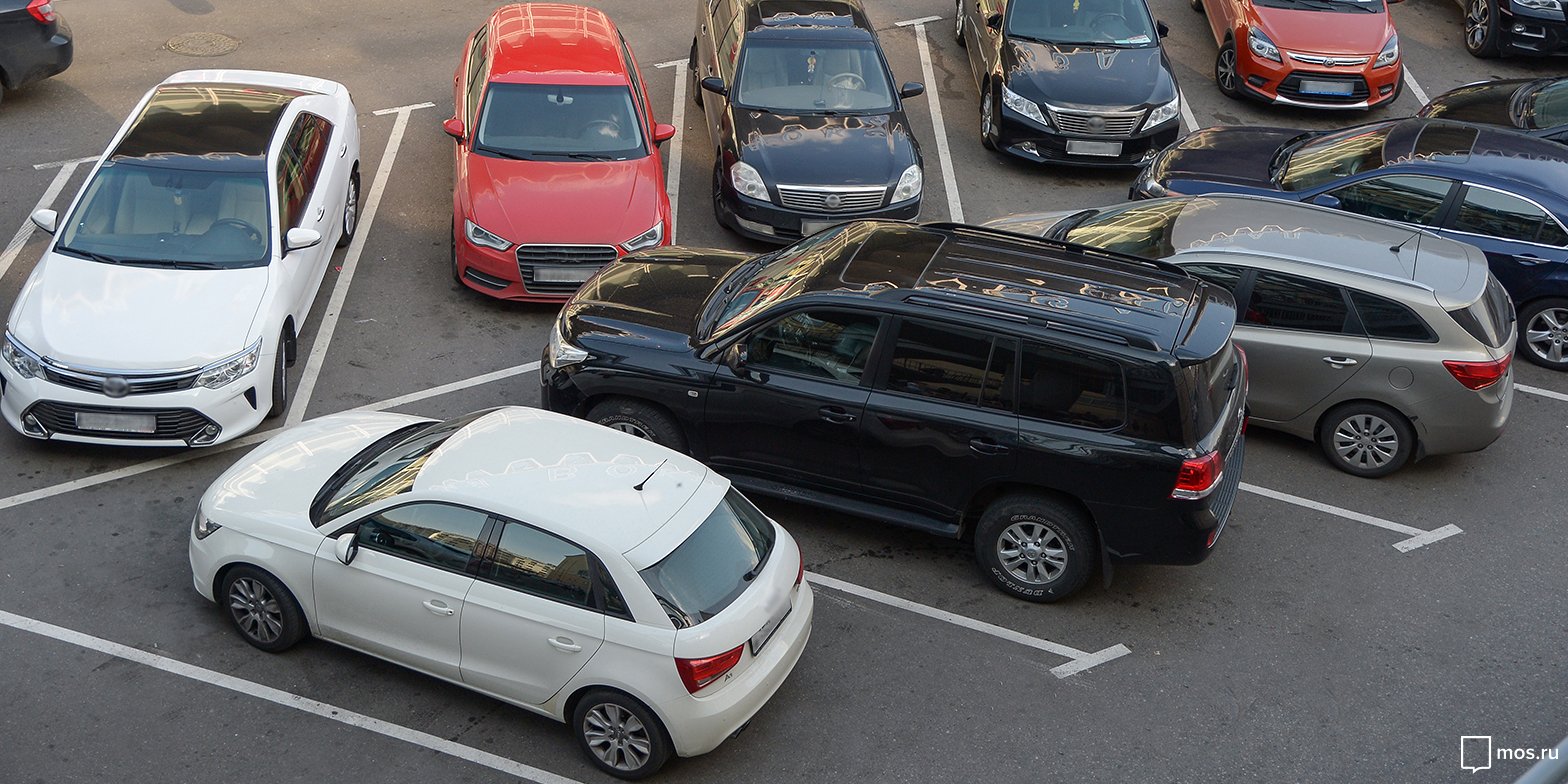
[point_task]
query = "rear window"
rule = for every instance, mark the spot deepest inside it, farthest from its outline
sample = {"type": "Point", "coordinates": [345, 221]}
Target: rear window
{"type": "Point", "coordinates": [714, 565]}
{"type": "Point", "coordinates": [1489, 319]}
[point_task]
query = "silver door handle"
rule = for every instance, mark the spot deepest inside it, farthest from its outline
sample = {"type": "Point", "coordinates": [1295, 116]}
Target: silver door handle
{"type": "Point", "coordinates": [439, 608]}
{"type": "Point", "coordinates": [564, 644]}
{"type": "Point", "coordinates": [321, 211]}
{"type": "Point", "coordinates": [343, 150]}
{"type": "Point", "coordinates": [1337, 361]}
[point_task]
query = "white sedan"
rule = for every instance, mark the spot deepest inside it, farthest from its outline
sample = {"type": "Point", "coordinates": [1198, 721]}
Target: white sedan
{"type": "Point", "coordinates": [557, 565]}
{"type": "Point", "coordinates": [167, 304]}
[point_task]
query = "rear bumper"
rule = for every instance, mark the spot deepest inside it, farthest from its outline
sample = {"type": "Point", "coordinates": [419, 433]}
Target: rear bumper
{"type": "Point", "coordinates": [41, 53]}
{"type": "Point", "coordinates": [1464, 420]}
{"type": "Point", "coordinates": [1180, 533]}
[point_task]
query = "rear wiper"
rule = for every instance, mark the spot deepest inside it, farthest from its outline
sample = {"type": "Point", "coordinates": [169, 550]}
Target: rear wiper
{"type": "Point", "coordinates": [90, 255]}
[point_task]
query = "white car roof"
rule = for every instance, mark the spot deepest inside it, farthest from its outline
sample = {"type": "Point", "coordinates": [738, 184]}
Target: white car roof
{"type": "Point", "coordinates": [309, 84]}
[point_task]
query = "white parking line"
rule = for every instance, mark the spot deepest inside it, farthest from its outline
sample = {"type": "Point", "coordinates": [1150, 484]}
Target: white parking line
{"type": "Point", "coordinates": [70, 162]}
{"type": "Point", "coordinates": [672, 177]}
{"type": "Point", "coordinates": [1542, 392]}
{"type": "Point", "coordinates": [1188, 119]}
{"type": "Point", "coordinates": [25, 233]}
{"type": "Point", "coordinates": [955, 208]}
{"type": "Point", "coordinates": [329, 319]}
{"type": "Point", "coordinates": [1410, 81]}
{"type": "Point", "coordinates": [1079, 660]}
{"type": "Point", "coordinates": [285, 698]}
{"type": "Point", "coordinates": [1416, 536]}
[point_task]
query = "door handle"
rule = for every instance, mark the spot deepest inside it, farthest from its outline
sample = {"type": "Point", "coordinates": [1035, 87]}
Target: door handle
{"type": "Point", "coordinates": [564, 644]}
{"type": "Point", "coordinates": [1340, 361]}
{"type": "Point", "coordinates": [342, 151]}
{"type": "Point", "coordinates": [1529, 258]}
{"type": "Point", "coordinates": [321, 211]}
{"type": "Point", "coordinates": [986, 446]}
{"type": "Point", "coordinates": [836, 415]}
{"type": "Point", "coordinates": [439, 607]}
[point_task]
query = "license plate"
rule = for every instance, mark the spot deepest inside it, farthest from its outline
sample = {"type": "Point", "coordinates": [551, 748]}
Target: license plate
{"type": "Point", "coordinates": [808, 228]}
{"type": "Point", "coordinates": [563, 274]}
{"type": "Point", "coordinates": [1102, 149]}
{"type": "Point", "coordinates": [766, 633]}
{"type": "Point", "coordinates": [117, 423]}
{"type": "Point", "coordinates": [1315, 87]}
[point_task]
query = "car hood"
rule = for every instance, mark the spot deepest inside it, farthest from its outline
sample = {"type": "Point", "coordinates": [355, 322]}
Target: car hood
{"type": "Point", "coordinates": [1034, 224]}
{"type": "Point", "coordinates": [860, 149]}
{"type": "Point", "coordinates": [1325, 32]}
{"type": "Point", "coordinates": [1232, 155]}
{"type": "Point", "coordinates": [1086, 76]}
{"type": "Point", "coordinates": [99, 315]}
{"type": "Point", "coordinates": [576, 202]}
{"type": "Point", "coordinates": [1490, 103]}
{"type": "Point", "coordinates": [654, 298]}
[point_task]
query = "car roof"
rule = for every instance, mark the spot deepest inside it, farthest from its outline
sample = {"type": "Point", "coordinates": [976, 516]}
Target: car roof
{"type": "Point", "coordinates": [1490, 151]}
{"type": "Point", "coordinates": [813, 18]}
{"type": "Point", "coordinates": [554, 43]}
{"type": "Point", "coordinates": [215, 120]}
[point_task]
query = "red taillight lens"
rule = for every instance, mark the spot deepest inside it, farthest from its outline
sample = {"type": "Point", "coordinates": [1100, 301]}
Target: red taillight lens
{"type": "Point", "coordinates": [1478, 375]}
{"type": "Point", "coordinates": [42, 10]}
{"type": "Point", "coordinates": [800, 575]}
{"type": "Point", "coordinates": [699, 673]}
{"type": "Point", "coordinates": [1198, 476]}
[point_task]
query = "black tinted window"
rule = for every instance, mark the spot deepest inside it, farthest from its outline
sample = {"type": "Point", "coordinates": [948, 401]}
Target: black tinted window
{"type": "Point", "coordinates": [1070, 387]}
{"type": "Point", "coordinates": [531, 560]}
{"type": "Point", "coordinates": [1228, 278]}
{"type": "Point", "coordinates": [1398, 198]}
{"type": "Point", "coordinates": [935, 361]}
{"type": "Point", "coordinates": [1289, 302]}
{"type": "Point", "coordinates": [1385, 318]}
{"type": "Point", "coordinates": [832, 346]}
{"type": "Point", "coordinates": [714, 565]}
{"type": "Point", "coordinates": [1501, 215]}
{"type": "Point", "coordinates": [435, 534]}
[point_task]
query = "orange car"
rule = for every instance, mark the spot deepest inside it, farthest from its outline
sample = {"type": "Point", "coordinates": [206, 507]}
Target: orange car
{"type": "Point", "coordinates": [1324, 54]}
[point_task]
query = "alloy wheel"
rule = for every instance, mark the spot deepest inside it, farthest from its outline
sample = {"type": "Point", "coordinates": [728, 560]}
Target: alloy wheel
{"type": "Point", "coordinates": [1226, 72]}
{"type": "Point", "coordinates": [1366, 441]}
{"type": "Point", "coordinates": [1031, 552]}
{"type": "Point", "coordinates": [632, 428]}
{"type": "Point", "coordinates": [256, 610]}
{"type": "Point", "coordinates": [1478, 17]}
{"type": "Point", "coordinates": [1547, 335]}
{"type": "Point", "coordinates": [958, 21]}
{"type": "Point", "coordinates": [986, 124]}
{"type": "Point", "coordinates": [617, 737]}
{"type": "Point", "coordinates": [351, 210]}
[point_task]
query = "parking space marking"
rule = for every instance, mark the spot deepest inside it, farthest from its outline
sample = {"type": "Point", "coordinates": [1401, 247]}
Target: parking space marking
{"type": "Point", "coordinates": [25, 232]}
{"type": "Point", "coordinates": [1188, 119]}
{"type": "Point", "coordinates": [1415, 88]}
{"type": "Point", "coordinates": [955, 208]}
{"type": "Point", "coordinates": [1542, 392]}
{"type": "Point", "coordinates": [1079, 660]}
{"type": "Point", "coordinates": [672, 177]}
{"type": "Point", "coordinates": [1416, 537]}
{"type": "Point", "coordinates": [329, 319]}
{"type": "Point", "coordinates": [71, 162]}
{"type": "Point", "coordinates": [285, 698]}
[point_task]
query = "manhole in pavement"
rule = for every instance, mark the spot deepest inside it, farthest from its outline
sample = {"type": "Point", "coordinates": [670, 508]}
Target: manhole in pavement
{"type": "Point", "coordinates": [202, 44]}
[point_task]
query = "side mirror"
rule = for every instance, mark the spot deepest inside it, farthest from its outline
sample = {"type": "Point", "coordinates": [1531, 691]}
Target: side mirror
{"type": "Point", "coordinates": [46, 220]}
{"type": "Point", "coordinates": [735, 359]}
{"type": "Point", "coordinates": [454, 128]}
{"type": "Point", "coordinates": [713, 84]}
{"type": "Point", "coordinates": [1162, 29]}
{"type": "Point", "coordinates": [299, 239]}
{"type": "Point", "coordinates": [346, 547]}
{"type": "Point", "coordinates": [663, 132]}
{"type": "Point", "coordinates": [994, 21]}
{"type": "Point", "coordinates": [911, 89]}
{"type": "Point", "coordinates": [1327, 200]}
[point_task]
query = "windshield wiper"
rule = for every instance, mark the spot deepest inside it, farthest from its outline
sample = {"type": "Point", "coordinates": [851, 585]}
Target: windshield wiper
{"type": "Point", "coordinates": [579, 156]}
{"type": "Point", "coordinates": [90, 255]}
{"type": "Point", "coordinates": [502, 153]}
{"type": "Point", "coordinates": [1284, 151]}
{"type": "Point", "coordinates": [172, 264]}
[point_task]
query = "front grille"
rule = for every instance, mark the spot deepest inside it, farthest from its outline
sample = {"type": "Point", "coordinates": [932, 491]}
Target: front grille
{"type": "Point", "coordinates": [1342, 61]}
{"type": "Point", "coordinates": [1290, 87]}
{"type": "Point", "coordinates": [821, 198]}
{"type": "Point", "coordinates": [137, 383]}
{"type": "Point", "coordinates": [565, 254]}
{"type": "Point", "coordinates": [1096, 123]}
{"type": "Point", "coordinates": [180, 424]}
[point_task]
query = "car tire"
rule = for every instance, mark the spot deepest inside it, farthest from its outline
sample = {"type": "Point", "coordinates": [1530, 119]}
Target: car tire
{"type": "Point", "coordinates": [1366, 439]}
{"type": "Point", "coordinates": [457, 275]}
{"type": "Point", "coordinates": [350, 210]}
{"type": "Point", "coordinates": [1547, 319]}
{"type": "Point", "coordinates": [1481, 31]}
{"type": "Point", "coordinates": [1036, 548]}
{"type": "Point", "coordinates": [958, 26]}
{"type": "Point", "coordinates": [261, 609]}
{"type": "Point", "coordinates": [643, 420]}
{"type": "Point", "coordinates": [620, 735]}
{"type": "Point", "coordinates": [280, 381]}
{"type": "Point", "coordinates": [1197, 5]}
{"type": "Point", "coordinates": [988, 119]}
{"type": "Point", "coordinates": [1227, 75]}
{"type": "Point", "coordinates": [691, 65]}
{"type": "Point", "coordinates": [718, 189]}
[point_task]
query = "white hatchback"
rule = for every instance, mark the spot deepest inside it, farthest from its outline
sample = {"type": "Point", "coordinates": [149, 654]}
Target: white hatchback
{"type": "Point", "coordinates": [168, 302]}
{"type": "Point", "coordinates": [557, 565]}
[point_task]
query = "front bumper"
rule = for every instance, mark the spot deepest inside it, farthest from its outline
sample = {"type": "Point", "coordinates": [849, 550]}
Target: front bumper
{"type": "Point", "coordinates": [766, 221]}
{"type": "Point", "coordinates": [499, 274]}
{"type": "Point", "coordinates": [1526, 31]}
{"type": "Point", "coordinates": [1288, 83]}
{"type": "Point", "coordinates": [1025, 139]}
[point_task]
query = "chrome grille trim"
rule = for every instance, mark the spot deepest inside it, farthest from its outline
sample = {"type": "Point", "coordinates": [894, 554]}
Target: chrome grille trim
{"type": "Point", "coordinates": [1325, 60]}
{"type": "Point", "coordinates": [141, 382]}
{"type": "Point", "coordinates": [1116, 124]}
{"type": "Point", "coordinates": [565, 254]}
{"type": "Point", "coordinates": [817, 198]}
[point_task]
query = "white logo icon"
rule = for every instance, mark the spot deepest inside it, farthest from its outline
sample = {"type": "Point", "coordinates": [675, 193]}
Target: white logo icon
{"type": "Point", "coordinates": [1475, 752]}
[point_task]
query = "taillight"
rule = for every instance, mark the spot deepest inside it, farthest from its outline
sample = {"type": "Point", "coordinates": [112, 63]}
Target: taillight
{"type": "Point", "coordinates": [800, 574]}
{"type": "Point", "coordinates": [1478, 375]}
{"type": "Point", "coordinates": [42, 10]}
{"type": "Point", "coordinates": [1198, 476]}
{"type": "Point", "coordinates": [699, 673]}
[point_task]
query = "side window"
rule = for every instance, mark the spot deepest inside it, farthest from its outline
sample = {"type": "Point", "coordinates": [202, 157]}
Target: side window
{"type": "Point", "coordinates": [531, 560]}
{"type": "Point", "coordinates": [935, 361]}
{"type": "Point", "coordinates": [636, 79]}
{"type": "Point", "coordinates": [1228, 278]}
{"type": "Point", "coordinates": [439, 535]}
{"type": "Point", "coordinates": [1385, 318]}
{"type": "Point", "coordinates": [299, 165]}
{"type": "Point", "coordinates": [1404, 197]}
{"type": "Point", "coordinates": [1289, 302]}
{"type": "Point", "coordinates": [476, 77]}
{"type": "Point", "coordinates": [729, 52]}
{"type": "Point", "coordinates": [1070, 387]}
{"type": "Point", "coordinates": [1493, 214]}
{"type": "Point", "coordinates": [723, 14]}
{"type": "Point", "coordinates": [826, 345]}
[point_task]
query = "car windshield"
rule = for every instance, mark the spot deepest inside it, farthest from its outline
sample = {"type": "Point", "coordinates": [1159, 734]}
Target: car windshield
{"type": "Point", "coordinates": [770, 278]}
{"type": "Point", "coordinates": [386, 468]}
{"type": "Point", "coordinates": [548, 122]}
{"type": "Point", "coordinates": [705, 573]}
{"type": "Point", "coordinates": [1101, 22]}
{"type": "Point", "coordinates": [159, 215]}
{"type": "Point", "coordinates": [1327, 158]}
{"type": "Point", "coordinates": [1141, 230]}
{"type": "Point", "coordinates": [1548, 106]}
{"type": "Point", "coordinates": [812, 77]}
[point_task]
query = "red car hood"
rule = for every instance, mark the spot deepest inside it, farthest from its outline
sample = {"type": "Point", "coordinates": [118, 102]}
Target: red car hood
{"type": "Point", "coordinates": [579, 202]}
{"type": "Point", "coordinates": [1325, 32]}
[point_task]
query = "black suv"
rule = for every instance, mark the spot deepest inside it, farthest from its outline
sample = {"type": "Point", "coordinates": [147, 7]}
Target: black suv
{"type": "Point", "coordinates": [1062, 405]}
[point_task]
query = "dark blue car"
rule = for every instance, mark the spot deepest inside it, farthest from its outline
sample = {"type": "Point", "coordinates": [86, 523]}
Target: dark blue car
{"type": "Point", "coordinates": [1499, 190]}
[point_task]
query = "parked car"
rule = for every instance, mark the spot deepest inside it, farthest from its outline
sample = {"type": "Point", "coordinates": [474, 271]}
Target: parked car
{"type": "Point", "coordinates": [806, 126]}
{"type": "Point", "coordinates": [167, 304]}
{"type": "Point", "coordinates": [1060, 405]}
{"type": "Point", "coordinates": [1382, 343]}
{"type": "Point", "coordinates": [557, 161]}
{"type": "Point", "coordinates": [35, 43]}
{"type": "Point", "coordinates": [1070, 81]}
{"type": "Point", "coordinates": [1496, 189]}
{"type": "Point", "coordinates": [1514, 27]}
{"type": "Point", "coordinates": [1323, 54]}
{"type": "Point", "coordinates": [573, 571]}
{"type": "Point", "coordinates": [1538, 107]}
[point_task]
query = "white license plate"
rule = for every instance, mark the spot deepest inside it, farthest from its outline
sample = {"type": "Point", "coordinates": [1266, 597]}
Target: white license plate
{"type": "Point", "coordinates": [117, 423]}
{"type": "Point", "coordinates": [1315, 87]}
{"type": "Point", "coordinates": [563, 274]}
{"type": "Point", "coordinates": [766, 633]}
{"type": "Point", "coordinates": [1102, 149]}
{"type": "Point", "coordinates": [808, 228]}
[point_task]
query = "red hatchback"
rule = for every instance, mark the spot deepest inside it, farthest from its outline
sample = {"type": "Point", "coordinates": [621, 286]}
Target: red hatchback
{"type": "Point", "coordinates": [558, 169]}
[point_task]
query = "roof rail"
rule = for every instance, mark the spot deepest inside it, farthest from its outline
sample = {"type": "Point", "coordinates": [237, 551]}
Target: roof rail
{"type": "Point", "coordinates": [1096, 329]}
{"type": "Point", "coordinates": [1271, 256]}
{"type": "Point", "coordinates": [986, 231]}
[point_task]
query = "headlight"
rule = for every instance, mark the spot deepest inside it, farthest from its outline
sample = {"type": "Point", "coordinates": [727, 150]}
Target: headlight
{"type": "Point", "coordinates": [202, 527]}
{"type": "Point", "coordinates": [747, 181]}
{"type": "Point", "coordinates": [647, 239]}
{"type": "Point", "coordinates": [1390, 51]}
{"type": "Point", "coordinates": [1023, 106]}
{"type": "Point", "coordinates": [1261, 45]}
{"type": "Point", "coordinates": [20, 358]}
{"type": "Point", "coordinates": [479, 236]}
{"type": "Point", "coordinates": [224, 371]}
{"type": "Point", "coordinates": [1163, 113]}
{"type": "Point", "coordinates": [909, 184]}
{"type": "Point", "coordinates": [560, 352]}
{"type": "Point", "coordinates": [1541, 5]}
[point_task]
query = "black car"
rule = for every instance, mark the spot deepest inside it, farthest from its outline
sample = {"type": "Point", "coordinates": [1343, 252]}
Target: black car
{"type": "Point", "coordinates": [35, 43]}
{"type": "Point", "coordinates": [1070, 81]}
{"type": "Point", "coordinates": [807, 128]}
{"type": "Point", "coordinates": [1524, 27]}
{"type": "Point", "coordinates": [1062, 406]}
{"type": "Point", "coordinates": [1538, 107]}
